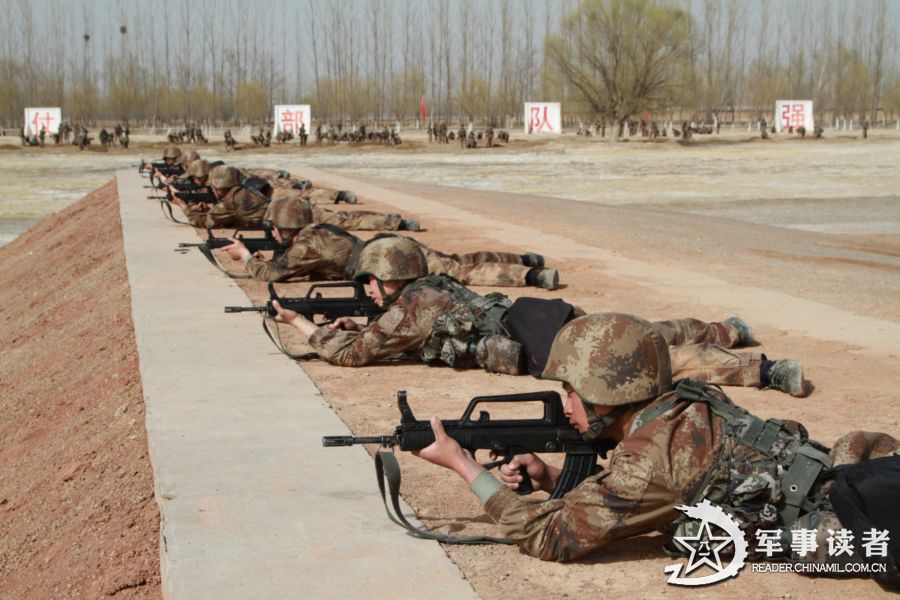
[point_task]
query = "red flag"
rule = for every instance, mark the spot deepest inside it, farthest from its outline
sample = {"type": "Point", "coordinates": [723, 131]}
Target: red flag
{"type": "Point", "coordinates": [423, 108]}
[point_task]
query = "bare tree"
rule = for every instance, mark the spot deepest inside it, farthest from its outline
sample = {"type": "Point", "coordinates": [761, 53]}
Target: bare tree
{"type": "Point", "coordinates": [620, 54]}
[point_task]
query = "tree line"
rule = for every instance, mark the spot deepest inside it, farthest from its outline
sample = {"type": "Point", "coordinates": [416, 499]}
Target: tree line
{"type": "Point", "coordinates": [229, 61]}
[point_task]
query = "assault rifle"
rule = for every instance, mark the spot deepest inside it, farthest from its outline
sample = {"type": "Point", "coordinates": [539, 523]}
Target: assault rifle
{"type": "Point", "coordinates": [505, 438]}
{"type": "Point", "coordinates": [164, 168]}
{"type": "Point", "coordinates": [252, 244]}
{"type": "Point", "coordinates": [192, 193]}
{"type": "Point", "coordinates": [314, 303]}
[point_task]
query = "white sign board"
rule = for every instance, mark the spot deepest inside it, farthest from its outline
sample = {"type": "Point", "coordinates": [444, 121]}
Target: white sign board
{"type": "Point", "coordinates": [47, 118]}
{"type": "Point", "coordinates": [543, 117]}
{"type": "Point", "coordinates": [794, 113]}
{"type": "Point", "coordinates": [289, 117]}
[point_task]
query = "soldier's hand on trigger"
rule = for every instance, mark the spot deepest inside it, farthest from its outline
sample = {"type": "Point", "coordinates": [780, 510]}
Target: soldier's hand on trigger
{"type": "Point", "coordinates": [345, 323]}
{"type": "Point", "coordinates": [237, 250]}
{"type": "Point", "coordinates": [541, 474]}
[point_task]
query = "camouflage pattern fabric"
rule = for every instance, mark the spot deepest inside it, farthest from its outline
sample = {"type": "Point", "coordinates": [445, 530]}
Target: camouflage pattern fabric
{"type": "Point", "coordinates": [483, 256]}
{"type": "Point", "coordinates": [389, 258]}
{"type": "Point", "coordinates": [681, 332]}
{"type": "Point", "coordinates": [610, 359]}
{"type": "Point", "coordinates": [315, 254]}
{"type": "Point", "coordinates": [653, 470]}
{"type": "Point", "coordinates": [503, 274]}
{"type": "Point", "coordinates": [351, 220]}
{"type": "Point", "coordinates": [404, 328]}
{"type": "Point", "coordinates": [357, 220]}
{"type": "Point", "coordinates": [715, 364]}
{"type": "Point", "coordinates": [238, 208]}
{"type": "Point", "coordinates": [417, 323]}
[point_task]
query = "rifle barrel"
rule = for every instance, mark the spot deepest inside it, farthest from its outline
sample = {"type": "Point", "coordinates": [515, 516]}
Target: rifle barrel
{"type": "Point", "coordinates": [330, 441]}
{"type": "Point", "coordinates": [237, 309]}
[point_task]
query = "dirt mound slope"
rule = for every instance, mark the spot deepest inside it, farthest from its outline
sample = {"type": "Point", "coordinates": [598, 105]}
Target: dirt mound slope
{"type": "Point", "coordinates": [78, 517]}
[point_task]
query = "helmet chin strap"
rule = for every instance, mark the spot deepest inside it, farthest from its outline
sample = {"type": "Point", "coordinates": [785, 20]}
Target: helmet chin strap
{"type": "Point", "coordinates": [389, 299]}
{"type": "Point", "coordinates": [598, 423]}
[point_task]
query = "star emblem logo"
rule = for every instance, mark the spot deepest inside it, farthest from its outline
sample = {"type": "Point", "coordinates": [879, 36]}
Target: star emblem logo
{"type": "Point", "coordinates": [704, 548]}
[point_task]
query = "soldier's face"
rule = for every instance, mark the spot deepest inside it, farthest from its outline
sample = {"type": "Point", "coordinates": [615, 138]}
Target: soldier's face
{"type": "Point", "coordinates": [374, 290]}
{"type": "Point", "coordinates": [574, 409]}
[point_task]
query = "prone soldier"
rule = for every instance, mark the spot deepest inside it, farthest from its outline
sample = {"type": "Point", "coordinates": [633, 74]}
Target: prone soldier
{"type": "Point", "coordinates": [237, 206]}
{"type": "Point", "coordinates": [437, 319]}
{"type": "Point", "coordinates": [670, 443]}
{"type": "Point", "coordinates": [324, 251]}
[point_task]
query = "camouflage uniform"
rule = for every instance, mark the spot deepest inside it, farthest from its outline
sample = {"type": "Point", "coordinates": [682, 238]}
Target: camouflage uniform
{"type": "Point", "coordinates": [357, 220]}
{"type": "Point", "coordinates": [503, 269]}
{"type": "Point", "coordinates": [316, 253]}
{"type": "Point", "coordinates": [680, 447]}
{"type": "Point", "coordinates": [421, 308]}
{"type": "Point", "coordinates": [353, 220]}
{"type": "Point", "coordinates": [653, 470]}
{"type": "Point", "coordinates": [700, 350]}
{"type": "Point", "coordinates": [237, 208]}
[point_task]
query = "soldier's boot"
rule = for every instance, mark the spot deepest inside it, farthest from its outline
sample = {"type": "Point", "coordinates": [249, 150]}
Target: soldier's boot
{"type": "Point", "coordinates": [786, 375]}
{"type": "Point", "coordinates": [548, 279]}
{"type": "Point", "coordinates": [532, 259]}
{"type": "Point", "coordinates": [345, 196]}
{"type": "Point", "coordinates": [409, 225]}
{"type": "Point", "coordinates": [745, 332]}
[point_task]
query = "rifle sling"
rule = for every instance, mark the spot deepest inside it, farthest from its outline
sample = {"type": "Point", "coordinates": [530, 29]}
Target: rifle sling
{"type": "Point", "coordinates": [165, 205]}
{"type": "Point", "coordinates": [280, 345]}
{"type": "Point", "coordinates": [386, 467]}
{"type": "Point", "coordinates": [205, 250]}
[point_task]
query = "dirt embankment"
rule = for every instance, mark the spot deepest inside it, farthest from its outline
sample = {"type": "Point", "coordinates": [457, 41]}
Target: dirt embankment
{"type": "Point", "coordinates": [77, 514]}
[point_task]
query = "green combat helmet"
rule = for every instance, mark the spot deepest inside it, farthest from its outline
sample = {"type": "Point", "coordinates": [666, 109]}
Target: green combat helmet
{"type": "Point", "coordinates": [224, 178]}
{"type": "Point", "coordinates": [199, 169]}
{"type": "Point", "coordinates": [610, 359]}
{"type": "Point", "coordinates": [172, 152]}
{"type": "Point", "coordinates": [389, 259]}
{"type": "Point", "coordinates": [288, 213]}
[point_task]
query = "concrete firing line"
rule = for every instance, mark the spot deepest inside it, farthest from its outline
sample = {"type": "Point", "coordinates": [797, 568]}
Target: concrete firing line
{"type": "Point", "coordinates": [251, 504]}
{"type": "Point", "coordinates": [761, 306]}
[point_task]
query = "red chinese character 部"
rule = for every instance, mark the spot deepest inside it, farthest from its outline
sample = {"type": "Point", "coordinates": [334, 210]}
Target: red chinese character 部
{"type": "Point", "coordinates": [539, 122]}
{"type": "Point", "coordinates": [291, 120]}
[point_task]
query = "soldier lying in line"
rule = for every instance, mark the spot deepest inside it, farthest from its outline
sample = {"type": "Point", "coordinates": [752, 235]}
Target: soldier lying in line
{"type": "Point", "coordinates": [437, 319]}
{"type": "Point", "coordinates": [354, 220]}
{"type": "Point", "coordinates": [325, 251]}
{"type": "Point", "coordinates": [673, 448]}
{"type": "Point", "coordinates": [237, 206]}
{"type": "Point", "coordinates": [246, 206]}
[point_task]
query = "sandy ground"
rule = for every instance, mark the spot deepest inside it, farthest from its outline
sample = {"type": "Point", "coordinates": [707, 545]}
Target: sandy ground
{"type": "Point", "coordinates": [855, 388]}
{"type": "Point", "coordinates": [77, 514]}
{"type": "Point", "coordinates": [842, 277]}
